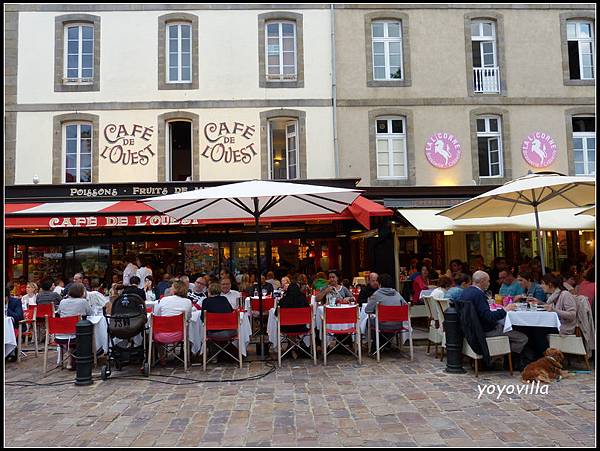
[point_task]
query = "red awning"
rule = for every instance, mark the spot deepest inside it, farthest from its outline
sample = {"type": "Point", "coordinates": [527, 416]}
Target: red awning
{"type": "Point", "coordinates": [95, 214]}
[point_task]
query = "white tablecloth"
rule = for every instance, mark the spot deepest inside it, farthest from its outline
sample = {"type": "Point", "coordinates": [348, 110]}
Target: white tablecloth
{"type": "Point", "coordinates": [100, 332]}
{"type": "Point", "coordinates": [196, 330]}
{"type": "Point", "coordinates": [10, 341]}
{"type": "Point", "coordinates": [531, 319]}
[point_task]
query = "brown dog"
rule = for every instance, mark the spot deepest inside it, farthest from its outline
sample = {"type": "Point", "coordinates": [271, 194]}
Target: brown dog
{"type": "Point", "coordinates": [546, 369]}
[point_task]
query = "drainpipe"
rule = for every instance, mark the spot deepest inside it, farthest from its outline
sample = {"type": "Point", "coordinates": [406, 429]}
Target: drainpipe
{"type": "Point", "coordinates": [334, 95]}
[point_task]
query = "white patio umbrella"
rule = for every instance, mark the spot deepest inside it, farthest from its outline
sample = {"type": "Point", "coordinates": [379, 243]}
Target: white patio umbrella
{"type": "Point", "coordinates": [588, 211]}
{"type": "Point", "coordinates": [537, 192]}
{"type": "Point", "coordinates": [254, 199]}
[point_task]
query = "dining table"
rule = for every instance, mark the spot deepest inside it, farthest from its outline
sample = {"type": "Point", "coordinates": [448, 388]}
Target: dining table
{"type": "Point", "coordinates": [10, 340]}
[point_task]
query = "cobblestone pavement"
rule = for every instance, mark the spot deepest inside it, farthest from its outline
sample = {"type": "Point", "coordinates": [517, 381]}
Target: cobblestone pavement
{"type": "Point", "coordinates": [392, 403]}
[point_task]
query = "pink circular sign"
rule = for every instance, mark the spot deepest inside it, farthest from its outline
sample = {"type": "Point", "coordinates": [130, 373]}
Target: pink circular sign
{"type": "Point", "coordinates": [442, 150]}
{"type": "Point", "coordinates": [539, 149]}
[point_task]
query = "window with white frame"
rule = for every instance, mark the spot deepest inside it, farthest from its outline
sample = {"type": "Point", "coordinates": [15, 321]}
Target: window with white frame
{"type": "Point", "coordinates": [391, 147]}
{"type": "Point", "coordinates": [280, 51]}
{"type": "Point", "coordinates": [78, 152]}
{"type": "Point", "coordinates": [584, 144]}
{"type": "Point", "coordinates": [283, 149]}
{"type": "Point", "coordinates": [79, 53]}
{"type": "Point", "coordinates": [179, 53]}
{"type": "Point", "coordinates": [387, 50]}
{"type": "Point", "coordinates": [486, 73]}
{"type": "Point", "coordinates": [580, 41]}
{"type": "Point", "coordinates": [489, 147]}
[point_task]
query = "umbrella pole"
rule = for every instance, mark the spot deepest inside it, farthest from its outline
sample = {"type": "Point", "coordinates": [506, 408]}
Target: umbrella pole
{"type": "Point", "coordinates": [539, 240]}
{"type": "Point", "coordinates": [260, 350]}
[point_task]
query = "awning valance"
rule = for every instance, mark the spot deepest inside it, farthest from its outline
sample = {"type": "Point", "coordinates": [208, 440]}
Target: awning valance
{"type": "Point", "coordinates": [426, 220]}
{"type": "Point", "coordinates": [136, 214]}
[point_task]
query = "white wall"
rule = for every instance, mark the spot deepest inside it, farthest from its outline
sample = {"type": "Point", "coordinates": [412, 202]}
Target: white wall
{"type": "Point", "coordinates": [34, 145]}
{"type": "Point", "coordinates": [228, 58]}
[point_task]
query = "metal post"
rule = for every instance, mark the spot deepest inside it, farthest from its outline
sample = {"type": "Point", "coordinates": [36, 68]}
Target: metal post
{"type": "Point", "coordinates": [454, 341]}
{"type": "Point", "coordinates": [539, 239]}
{"type": "Point", "coordinates": [260, 350]}
{"type": "Point", "coordinates": [83, 353]}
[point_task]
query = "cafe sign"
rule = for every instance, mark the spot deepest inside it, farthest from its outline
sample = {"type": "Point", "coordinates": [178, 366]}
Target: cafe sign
{"type": "Point", "coordinates": [442, 150]}
{"type": "Point", "coordinates": [128, 145]}
{"type": "Point", "coordinates": [539, 149]}
{"type": "Point", "coordinates": [229, 142]}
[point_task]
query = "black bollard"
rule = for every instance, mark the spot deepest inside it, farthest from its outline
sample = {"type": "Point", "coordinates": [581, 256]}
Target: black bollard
{"type": "Point", "coordinates": [83, 353]}
{"type": "Point", "coordinates": [454, 341]}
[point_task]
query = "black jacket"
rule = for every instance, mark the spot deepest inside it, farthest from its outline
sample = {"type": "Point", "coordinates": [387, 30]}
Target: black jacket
{"type": "Point", "coordinates": [487, 318]}
{"type": "Point", "coordinates": [365, 293]}
{"type": "Point", "coordinates": [132, 289]}
{"type": "Point", "coordinates": [266, 286]}
{"type": "Point", "coordinates": [472, 330]}
{"type": "Point", "coordinates": [215, 304]}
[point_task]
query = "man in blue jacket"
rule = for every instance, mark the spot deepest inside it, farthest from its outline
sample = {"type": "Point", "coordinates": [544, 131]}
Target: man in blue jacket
{"type": "Point", "coordinates": [490, 320]}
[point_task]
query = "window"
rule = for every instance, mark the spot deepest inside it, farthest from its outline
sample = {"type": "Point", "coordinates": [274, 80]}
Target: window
{"type": "Point", "coordinates": [281, 51]}
{"type": "Point", "coordinates": [79, 53]}
{"type": "Point", "coordinates": [489, 147]}
{"type": "Point", "coordinates": [391, 147]}
{"type": "Point", "coordinates": [584, 145]}
{"type": "Point", "coordinates": [78, 153]}
{"type": "Point", "coordinates": [179, 52]}
{"type": "Point", "coordinates": [283, 149]}
{"type": "Point", "coordinates": [179, 156]}
{"type": "Point", "coordinates": [580, 42]}
{"type": "Point", "coordinates": [387, 50]}
{"type": "Point", "coordinates": [486, 73]}
{"type": "Point", "coordinates": [76, 57]}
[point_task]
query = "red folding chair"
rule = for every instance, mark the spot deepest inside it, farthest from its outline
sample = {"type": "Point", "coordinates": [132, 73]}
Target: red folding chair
{"type": "Point", "coordinates": [168, 332]}
{"type": "Point", "coordinates": [295, 317]}
{"type": "Point", "coordinates": [41, 311]}
{"type": "Point", "coordinates": [390, 314]}
{"type": "Point", "coordinates": [60, 326]}
{"type": "Point", "coordinates": [268, 302]}
{"type": "Point", "coordinates": [348, 316]}
{"type": "Point", "coordinates": [31, 332]}
{"type": "Point", "coordinates": [218, 322]}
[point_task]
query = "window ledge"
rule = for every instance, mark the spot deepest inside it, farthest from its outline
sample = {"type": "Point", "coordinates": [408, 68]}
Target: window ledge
{"type": "Point", "coordinates": [580, 82]}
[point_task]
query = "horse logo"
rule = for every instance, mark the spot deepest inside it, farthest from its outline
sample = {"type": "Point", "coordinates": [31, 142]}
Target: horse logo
{"type": "Point", "coordinates": [442, 149]}
{"type": "Point", "coordinates": [539, 149]}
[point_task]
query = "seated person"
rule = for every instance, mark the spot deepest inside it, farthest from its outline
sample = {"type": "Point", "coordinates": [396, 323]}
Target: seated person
{"type": "Point", "coordinates": [75, 304]}
{"type": "Point", "coordinates": [293, 298]}
{"type": "Point", "coordinates": [272, 280]}
{"type": "Point", "coordinates": [533, 291]}
{"type": "Point", "coordinates": [385, 295]}
{"type": "Point", "coordinates": [420, 283]}
{"type": "Point", "coordinates": [441, 292]}
{"type": "Point", "coordinates": [490, 320]}
{"type": "Point", "coordinates": [562, 302]}
{"type": "Point", "coordinates": [173, 305]}
{"type": "Point", "coordinates": [46, 295]}
{"type": "Point", "coordinates": [320, 281]}
{"type": "Point", "coordinates": [339, 292]}
{"type": "Point", "coordinates": [587, 287]}
{"type": "Point", "coordinates": [217, 303]}
{"type": "Point", "coordinates": [509, 285]}
{"type": "Point", "coordinates": [367, 291]}
{"type": "Point", "coordinates": [264, 286]}
{"type": "Point", "coordinates": [461, 281]}
{"type": "Point", "coordinates": [231, 295]}
{"type": "Point", "coordinates": [14, 310]}
{"type": "Point", "coordinates": [134, 288]}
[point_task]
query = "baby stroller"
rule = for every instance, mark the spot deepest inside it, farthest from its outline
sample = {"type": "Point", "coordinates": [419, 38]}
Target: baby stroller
{"type": "Point", "coordinates": [126, 322]}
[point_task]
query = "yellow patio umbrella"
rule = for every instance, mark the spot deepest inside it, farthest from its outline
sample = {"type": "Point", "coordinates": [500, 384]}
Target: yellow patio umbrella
{"type": "Point", "coordinates": [543, 191]}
